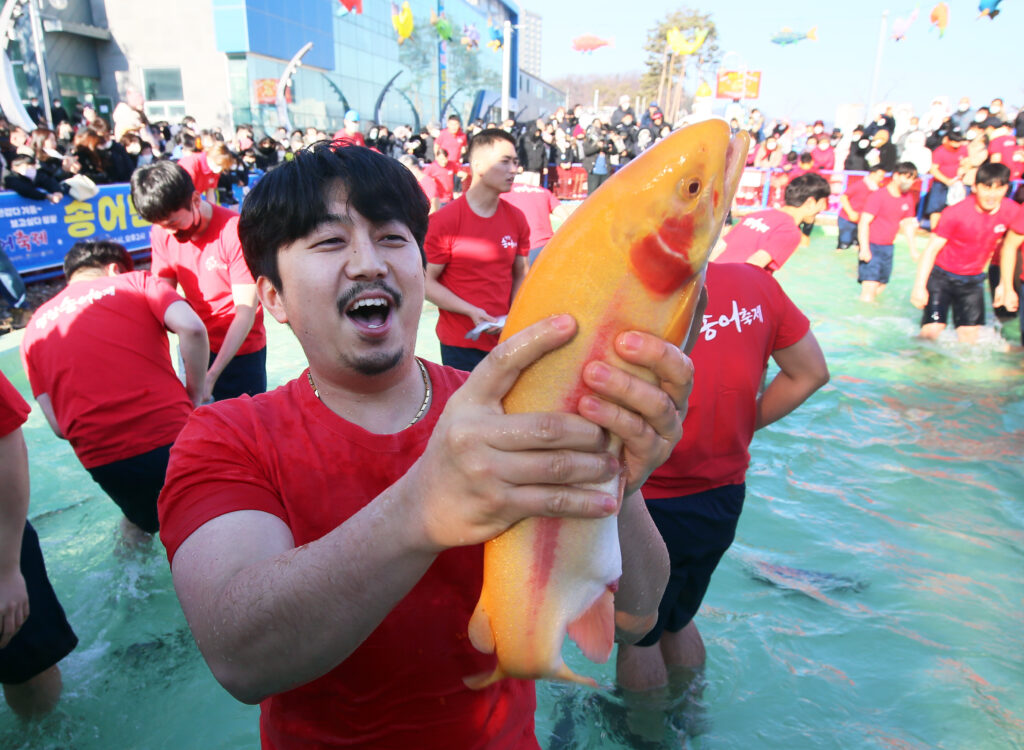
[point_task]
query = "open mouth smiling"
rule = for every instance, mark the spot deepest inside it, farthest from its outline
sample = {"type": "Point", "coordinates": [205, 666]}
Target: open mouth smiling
{"type": "Point", "coordinates": [370, 313]}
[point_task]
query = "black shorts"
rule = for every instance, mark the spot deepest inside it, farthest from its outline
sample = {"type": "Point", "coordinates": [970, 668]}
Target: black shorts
{"type": "Point", "coordinates": [46, 637]}
{"type": "Point", "coordinates": [245, 374]}
{"type": "Point", "coordinates": [134, 484]}
{"type": "Point", "coordinates": [966, 294]}
{"type": "Point", "coordinates": [697, 530]}
{"type": "Point", "coordinates": [461, 357]}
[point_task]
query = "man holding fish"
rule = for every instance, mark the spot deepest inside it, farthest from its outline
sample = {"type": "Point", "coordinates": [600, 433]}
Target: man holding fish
{"type": "Point", "coordinates": [325, 538]}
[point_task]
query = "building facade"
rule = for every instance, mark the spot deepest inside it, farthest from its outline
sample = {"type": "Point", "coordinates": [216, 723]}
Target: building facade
{"type": "Point", "coordinates": [221, 61]}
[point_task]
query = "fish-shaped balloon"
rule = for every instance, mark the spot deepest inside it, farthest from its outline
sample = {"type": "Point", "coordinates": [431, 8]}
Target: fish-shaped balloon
{"type": "Point", "coordinates": [589, 43]}
{"type": "Point", "coordinates": [402, 20]}
{"type": "Point", "coordinates": [631, 257]}
{"type": "Point", "coordinates": [939, 18]}
{"type": "Point", "coordinates": [989, 8]}
{"type": "Point", "coordinates": [901, 26]}
{"type": "Point", "coordinates": [788, 36]}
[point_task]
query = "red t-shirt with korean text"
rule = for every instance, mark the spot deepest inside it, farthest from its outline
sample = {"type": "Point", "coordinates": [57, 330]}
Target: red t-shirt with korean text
{"type": "Point", "coordinates": [478, 254]}
{"type": "Point", "coordinates": [206, 267]}
{"type": "Point", "coordinates": [888, 211]}
{"type": "Point", "coordinates": [972, 236]}
{"type": "Point", "coordinates": [748, 317]}
{"type": "Point", "coordinates": [287, 454]}
{"type": "Point", "coordinates": [771, 230]}
{"type": "Point", "coordinates": [99, 350]}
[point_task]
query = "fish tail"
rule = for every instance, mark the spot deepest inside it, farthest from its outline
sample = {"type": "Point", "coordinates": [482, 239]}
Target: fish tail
{"type": "Point", "coordinates": [813, 34]}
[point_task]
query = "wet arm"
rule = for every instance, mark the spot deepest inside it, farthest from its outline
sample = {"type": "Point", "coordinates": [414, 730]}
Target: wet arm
{"type": "Point", "coordinates": [802, 371]}
{"type": "Point", "coordinates": [244, 298]}
{"type": "Point", "coordinates": [645, 569]}
{"type": "Point", "coordinates": [183, 321]}
{"type": "Point", "coordinates": [1005, 293]}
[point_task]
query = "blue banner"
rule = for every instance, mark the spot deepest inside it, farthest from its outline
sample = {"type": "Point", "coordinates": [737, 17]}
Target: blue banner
{"type": "Point", "coordinates": [36, 235]}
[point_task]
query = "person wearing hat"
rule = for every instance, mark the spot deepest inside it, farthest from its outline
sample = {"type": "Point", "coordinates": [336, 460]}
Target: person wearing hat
{"type": "Point", "coordinates": [349, 135]}
{"type": "Point", "coordinates": [946, 169]}
{"type": "Point", "coordinates": [647, 121]}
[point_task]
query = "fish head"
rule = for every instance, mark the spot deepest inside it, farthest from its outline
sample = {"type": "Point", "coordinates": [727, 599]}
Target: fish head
{"type": "Point", "coordinates": [686, 195]}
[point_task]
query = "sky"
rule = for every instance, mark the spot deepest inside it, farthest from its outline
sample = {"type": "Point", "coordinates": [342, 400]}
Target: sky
{"type": "Point", "coordinates": [810, 79]}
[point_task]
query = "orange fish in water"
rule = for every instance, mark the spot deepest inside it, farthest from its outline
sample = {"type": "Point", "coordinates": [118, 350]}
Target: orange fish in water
{"type": "Point", "coordinates": [632, 257]}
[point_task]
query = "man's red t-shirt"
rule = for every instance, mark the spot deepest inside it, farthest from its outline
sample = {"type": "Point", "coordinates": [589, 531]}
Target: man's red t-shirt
{"type": "Point", "coordinates": [536, 203]}
{"type": "Point", "coordinates": [1010, 154]}
{"type": "Point", "coordinates": [287, 454]}
{"type": "Point", "coordinates": [1017, 225]}
{"type": "Point", "coordinates": [198, 168]}
{"type": "Point", "coordinates": [857, 193]}
{"type": "Point", "coordinates": [748, 317]}
{"type": "Point", "coordinates": [444, 179]}
{"type": "Point", "coordinates": [771, 230]}
{"type": "Point", "coordinates": [478, 254]}
{"type": "Point", "coordinates": [206, 267]}
{"type": "Point", "coordinates": [453, 145]}
{"type": "Point", "coordinates": [972, 236]}
{"type": "Point", "coordinates": [888, 211]}
{"type": "Point", "coordinates": [13, 408]}
{"type": "Point", "coordinates": [99, 350]}
{"type": "Point", "coordinates": [948, 160]}
{"type": "Point", "coordinates": [429, 186]}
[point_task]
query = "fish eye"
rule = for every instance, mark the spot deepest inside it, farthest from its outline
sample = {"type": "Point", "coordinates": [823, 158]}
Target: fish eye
{"type": "Point", "coordinates": [693, 187]}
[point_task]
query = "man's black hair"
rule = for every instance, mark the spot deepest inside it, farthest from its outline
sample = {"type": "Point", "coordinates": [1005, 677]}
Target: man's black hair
{"type": "Point", "coordinates": [905, 167]}
{"type": "Point", "coordinates": [161, 188]}
{"type": "Point", "coordinates": [991, 174]}
{"type": "Point", "coordinates": [20, 159]}
{"type": "Point", "coordinates": [488, 137]}
{"type": "Point", "coordinates": [289, 202]}
{"type": "Point", "coordinates": [96, 254]}
{"type": "Point", "coordinates": [876, 168]}
{"type": "Point", "coordinates": [806, 186]}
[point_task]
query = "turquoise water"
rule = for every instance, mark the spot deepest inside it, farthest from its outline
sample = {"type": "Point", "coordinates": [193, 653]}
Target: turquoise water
{"type": "Point", "coordinates": [873, 598]}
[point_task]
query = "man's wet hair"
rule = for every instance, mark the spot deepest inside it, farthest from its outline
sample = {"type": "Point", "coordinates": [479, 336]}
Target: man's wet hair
{"type": "Point", "coordinates": [290, 202]}
{"type": "Point", "coordinates": [806, 186]}
{"type": "Point", "coordinates": [905, 168]}
{"type": "Point", "coordinates": [161, 188]}
{"type": "Point", "coordinates": [991, 174]}
{"type": "Point", "coordinates": [488, 137]}
{"type": "Point", "coordinates": [96, 254]}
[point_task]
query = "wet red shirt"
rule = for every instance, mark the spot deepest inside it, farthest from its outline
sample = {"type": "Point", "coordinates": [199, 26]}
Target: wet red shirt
{"type": "Point", "coordinates": [771, 230]}
{"type": "Point", "coordinates": [99, 349]}
{"type": "Point", "coordinates": [888, 211]}
{"type": "Point", "coordinates": [287, 454]}
{"type": "Point", "coordinates": [748, 317]}
{"type": "Point", "coordinates": [206, 267]}
{"type": "Point", "coordinates": [972, 236]}
{"type": "Point", "coordinates": [857, 193]}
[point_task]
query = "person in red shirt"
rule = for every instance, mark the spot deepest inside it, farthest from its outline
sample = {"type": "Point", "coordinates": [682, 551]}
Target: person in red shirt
{"type": "Point", "coordinates": [823, 154]}
{"type": "Point", "coordinates": [947, 167]}
{"type": "Point", "coordinates": [195, 245]}
{"type": "Point", "coordinates": [952, 269]}
{"type": "Point", "coordinates": [205, 168]}
{"type": "Point", "coordinates": [696, 496]}
{"type": "Point", "coordinates": [97, 359]}
{"type": "Point", "coordinates": [1004, 149]}
{"type": "Point", "coordinates": [539, 205]}
{"type": "Point", "coordinates": [455, 143]}
{"type": "Point", "coordinates": [325, 537]}
{"type": "Point", "coordinates": [349, 134]}
{"type": "Point", "coordinates": [477, 248]}
{"type": "Point", "coordinates": [851, 203]}
{"type": "Point", "coordinates": [886, 211]}
{"type": "Point", "coordinates": [1006, 293]}
{"type": "Point", "coordinates": [30, 646]}
{"type": "Point", "coordinates": [768, 238]}
{"type": "Point", "coordinates": [438, 169]}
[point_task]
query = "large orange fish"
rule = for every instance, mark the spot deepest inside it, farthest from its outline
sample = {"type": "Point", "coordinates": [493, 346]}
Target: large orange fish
{"type": "Point", "coordinates": [632, 257]}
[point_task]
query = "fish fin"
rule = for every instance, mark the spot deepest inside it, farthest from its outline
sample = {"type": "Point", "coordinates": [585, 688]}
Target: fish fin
{"type": "Point", "coordinates": [813, 34]}
{"type": "Point", "coordinates": [564, 673]}
{"type": "Point", "coordinates": [480, 633]}
{"type": "Point", "coordinates": [594, 630]}
{"type": "Point", "coordinates": [482, 680]}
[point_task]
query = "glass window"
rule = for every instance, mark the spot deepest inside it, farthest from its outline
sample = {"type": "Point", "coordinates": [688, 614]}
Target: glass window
{"type": "Point", "coordinates": [163, 85]}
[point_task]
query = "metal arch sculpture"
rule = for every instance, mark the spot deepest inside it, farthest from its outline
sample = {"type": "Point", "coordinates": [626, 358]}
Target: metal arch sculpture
{"type": "Point", "coordinates": [380, 99]}
{"type": "Point", "coordinates": [338, 91]}
{"type": "Point", "coordinates": [448, 103]}
{"type": "Point", "coordinates": [283, 83]}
